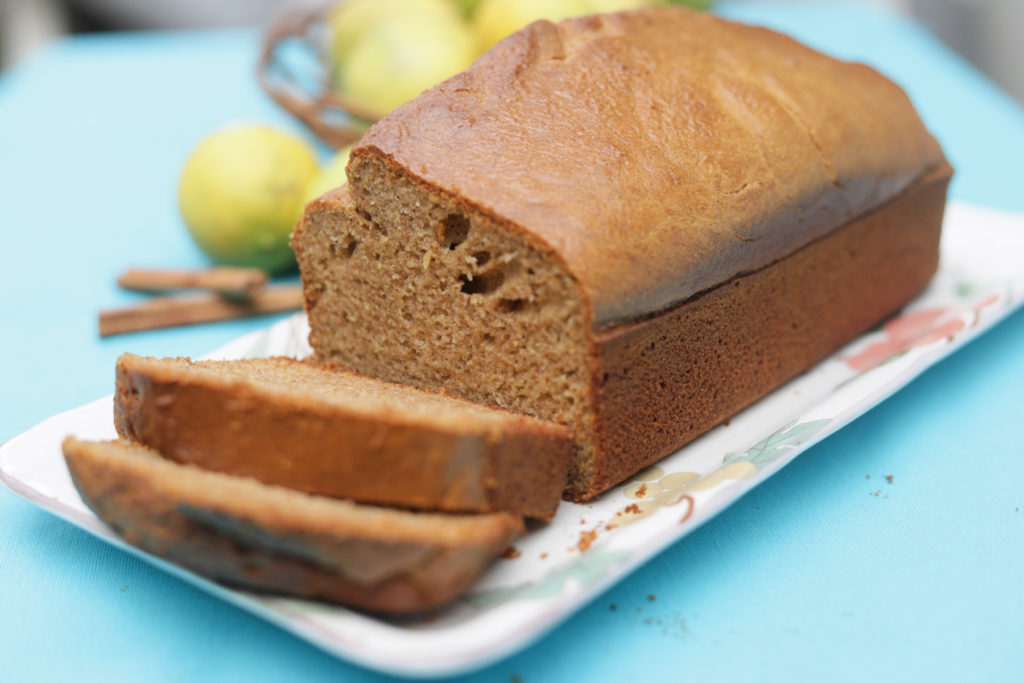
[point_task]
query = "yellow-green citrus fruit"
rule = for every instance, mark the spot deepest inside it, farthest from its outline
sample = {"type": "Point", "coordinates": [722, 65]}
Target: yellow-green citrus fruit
{"type": "Point", "coordinates": [401, 58]}
{"type": "Point", "coordinates": [330, 176]}
{"type": "Point", "coordinates": [495, 19]}
{"type": "Point", "coordinates": [602, 6]}
{"type": "Point", "coordinates": [241, 192]}
{"type": "Point", "coordinates": [350, 20]}
{"type": "Point", "coordinates": [695, 4]}
{"type": "Point", "coordinates": [467, 7]}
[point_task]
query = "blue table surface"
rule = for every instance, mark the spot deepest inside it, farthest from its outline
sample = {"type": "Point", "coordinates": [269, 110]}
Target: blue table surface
{"type": "Point", "coordinates": [809, 577]}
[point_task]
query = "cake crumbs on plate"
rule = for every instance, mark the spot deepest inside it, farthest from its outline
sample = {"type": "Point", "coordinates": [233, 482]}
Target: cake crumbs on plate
{"type": "Point", "coordinates": [511, 553]}
{"type": "Point", "coordinates": [586, 539]}
{"type": "Point", "coordinates": [888, 478]}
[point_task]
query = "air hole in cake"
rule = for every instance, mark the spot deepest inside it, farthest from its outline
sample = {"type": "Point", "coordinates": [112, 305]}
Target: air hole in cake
{"type": "Point", "coordinates": [454, 230]}
{"type": "Point", "coordinates": [313, 294]}
{"type": "Point", "coordinates": [481, 257]}
{"type": "Point", "coordinates": [511, 305]}
{"type": "Point", "coordinates": [484, 283]}
{"type": "Point", "coordinates": [345, 247]}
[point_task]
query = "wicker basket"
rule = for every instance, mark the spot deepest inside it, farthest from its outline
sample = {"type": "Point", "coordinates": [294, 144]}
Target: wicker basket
{"type": "Point", "coordinates": [295, 70]}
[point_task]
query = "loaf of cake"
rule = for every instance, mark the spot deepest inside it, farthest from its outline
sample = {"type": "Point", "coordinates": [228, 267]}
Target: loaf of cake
{"type": "Point", "coordinates": [334, 433]}
{"type": "Point", "coordinates": [632, 224]}
{"type": "Point", "coordinates": [241, 532]}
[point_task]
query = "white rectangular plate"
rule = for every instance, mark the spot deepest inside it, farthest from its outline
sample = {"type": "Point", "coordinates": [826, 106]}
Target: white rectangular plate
{"type": "Point", "coordinates": [586, 548]}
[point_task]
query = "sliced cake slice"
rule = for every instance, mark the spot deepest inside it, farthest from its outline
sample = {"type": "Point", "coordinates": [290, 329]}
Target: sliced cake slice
{"type": "Point", "coordinates": [241, 532]}
{"type": "Point", "coordinates": [336, 433]}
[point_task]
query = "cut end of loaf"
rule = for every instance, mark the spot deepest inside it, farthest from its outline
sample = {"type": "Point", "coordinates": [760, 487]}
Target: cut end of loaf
{"type": "Point", "coordinates": [410, 285]}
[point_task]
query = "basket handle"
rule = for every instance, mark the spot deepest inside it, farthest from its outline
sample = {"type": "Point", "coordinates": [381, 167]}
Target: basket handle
{"type": "Point", "coordinates": [319, 111]}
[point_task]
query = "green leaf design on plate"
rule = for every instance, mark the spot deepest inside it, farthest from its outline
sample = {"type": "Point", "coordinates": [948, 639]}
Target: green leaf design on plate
{"type": "Point", "coordinates": [776, 444]}
{"type": "Point", "coordinates": [587, 569]}
{"type": "Point", "coordinates": [966, 289]}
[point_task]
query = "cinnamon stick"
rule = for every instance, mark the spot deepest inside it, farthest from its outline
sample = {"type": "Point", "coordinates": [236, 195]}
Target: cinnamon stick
{"type": "Point", "coordinates": [172, 311]}
{"type": "Point", "coordinates": [234, 282]}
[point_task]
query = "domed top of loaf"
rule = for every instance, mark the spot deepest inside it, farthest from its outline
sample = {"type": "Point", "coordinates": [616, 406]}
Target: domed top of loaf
{"type": "Point", "coordinates": [658, 152]}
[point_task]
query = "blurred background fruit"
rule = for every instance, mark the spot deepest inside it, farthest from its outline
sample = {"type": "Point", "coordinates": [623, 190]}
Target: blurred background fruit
{"type": "Point", "coordinates": [695, 4]}
{"type": "Point", "coordinates": [615, 5]}
{"type": "Point", "coordinates": [241, 192]}
{"type": "Point", "coordinates": [330, 176]}
{"type": "Point", "coordinates": [350, 20]}
{"type": "Point", "coordinates": [495, 19]}
{"type": "Point", "coordinates": [467, 7]}
{"type": "Point", "coordinates": [397, 59]}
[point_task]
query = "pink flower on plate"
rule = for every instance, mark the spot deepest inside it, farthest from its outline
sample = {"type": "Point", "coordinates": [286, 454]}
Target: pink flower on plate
{"type": "Point", "coordinates": [916, 328]}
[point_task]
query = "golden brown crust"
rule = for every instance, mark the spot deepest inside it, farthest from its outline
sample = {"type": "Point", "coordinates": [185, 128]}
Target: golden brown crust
{"type": "Point", "coordinates": [661, 162]}
{"type": "Point", "coordinates": [659, 152]}
{"type": "Point", "coordinates": [266, 538]}
{"type": "Point", "coordinates": [333, 433]}
{"type": "Point", "coordinates": [662, 382]}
